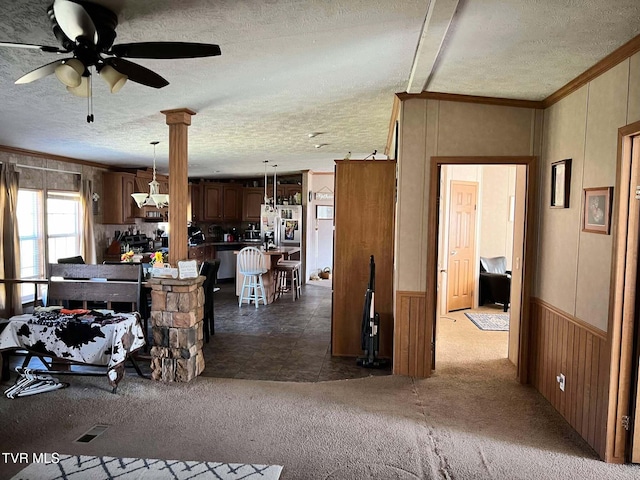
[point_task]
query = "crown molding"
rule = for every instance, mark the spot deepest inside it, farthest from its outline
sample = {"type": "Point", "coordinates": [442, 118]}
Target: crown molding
{"type": "Point", "coordinates": [454, 97]}
{"type": "Point", "coordinates": [395, 111]}
{"type": "Point", "coordinates": [50, 156]}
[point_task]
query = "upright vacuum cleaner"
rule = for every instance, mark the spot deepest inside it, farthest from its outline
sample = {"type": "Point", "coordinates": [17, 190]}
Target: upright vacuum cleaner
{"type": "Point", "coordinates": [370, 337]}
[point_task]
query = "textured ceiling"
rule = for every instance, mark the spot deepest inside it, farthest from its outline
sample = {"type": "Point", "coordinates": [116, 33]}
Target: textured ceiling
{"type": "Point", "coordinates": [291, 67]}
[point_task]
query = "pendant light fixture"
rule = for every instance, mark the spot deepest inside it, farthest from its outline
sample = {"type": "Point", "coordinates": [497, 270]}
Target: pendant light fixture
{"type": "Point", "coordinates": [274, 184]}
{"type": "Point", "coordinates": [154, 198]}
{"type": "Point", "coordinates": [266, 198]}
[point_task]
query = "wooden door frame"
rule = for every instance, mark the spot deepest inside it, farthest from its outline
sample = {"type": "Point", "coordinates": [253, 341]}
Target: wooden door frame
{"type": "Point", "coordinates": [475, 233]}
{"type": "Point", "coordinates": [529, 245]}
{"type": "Point", "coordinates": [620, 328]}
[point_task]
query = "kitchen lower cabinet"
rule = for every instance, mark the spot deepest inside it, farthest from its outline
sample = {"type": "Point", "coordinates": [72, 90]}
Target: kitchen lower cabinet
{"type": "Point", "coordinates": [201, 253]}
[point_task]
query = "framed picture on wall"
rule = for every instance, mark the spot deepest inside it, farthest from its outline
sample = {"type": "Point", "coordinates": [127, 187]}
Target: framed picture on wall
{"type": "Point", "coordinates": [324, 212]}
{"type": "Point", "coordinates": [597, 210]}
{"type": "Point", "coordinates": [560, 183]}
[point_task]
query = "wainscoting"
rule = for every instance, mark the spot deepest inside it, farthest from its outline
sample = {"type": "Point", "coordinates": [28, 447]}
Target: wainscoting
{"type": "Point", "coordinates": [561, 343]}
{"type": "Point", "coordinates": [412, 338]}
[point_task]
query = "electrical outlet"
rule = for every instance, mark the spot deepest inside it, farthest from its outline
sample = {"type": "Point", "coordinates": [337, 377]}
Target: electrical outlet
{"type": "Point", "coordinates": [561, 380]}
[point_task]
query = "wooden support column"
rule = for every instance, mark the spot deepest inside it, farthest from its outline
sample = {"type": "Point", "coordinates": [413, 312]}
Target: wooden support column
{"type": "Point", "coordinates": [178, 121]}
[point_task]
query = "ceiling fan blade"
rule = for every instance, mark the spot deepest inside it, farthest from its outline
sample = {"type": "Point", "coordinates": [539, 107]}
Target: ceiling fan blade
{"type": "Point", "coordinates": [165, 50]}
{"type": "Point", "coordinates": [137, 73]}
{"type": "Point", "coordinates": [74, 20]}
{"type": "Point", "coordinates": [40, 72]}
{"type": "Point", "coordinates": [43, 48]}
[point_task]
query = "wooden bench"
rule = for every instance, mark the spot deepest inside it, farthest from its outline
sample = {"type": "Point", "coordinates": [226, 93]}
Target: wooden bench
{"type": "Point", "coordinates": [108, 284]}
{"type": "Point", "coordinates": [112, 287]}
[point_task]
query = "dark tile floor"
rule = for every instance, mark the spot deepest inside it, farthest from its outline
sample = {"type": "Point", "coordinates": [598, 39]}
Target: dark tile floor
{"type": "Point", "coordinates": [283, 341]}
{"type": "Point", "coordinates": [286, 340]}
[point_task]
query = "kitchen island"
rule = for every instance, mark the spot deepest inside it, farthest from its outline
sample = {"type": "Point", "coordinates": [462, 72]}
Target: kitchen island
{"type": "Point", "coordinates": [271, 258]}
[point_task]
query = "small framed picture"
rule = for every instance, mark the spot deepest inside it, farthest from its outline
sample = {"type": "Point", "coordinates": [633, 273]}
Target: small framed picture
{"type": "Point", "coordinates": [560, 183]}
{"type": "Point", "coordinates": [597, 210]}
{"type": "Point", "coordinates": [324, 212]}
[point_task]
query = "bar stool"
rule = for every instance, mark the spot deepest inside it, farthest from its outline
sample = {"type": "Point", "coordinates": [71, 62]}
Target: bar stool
{"type": "Point", "coordinates": [251, 266]}
{"type": "Point", "coordinates": [287, 271]}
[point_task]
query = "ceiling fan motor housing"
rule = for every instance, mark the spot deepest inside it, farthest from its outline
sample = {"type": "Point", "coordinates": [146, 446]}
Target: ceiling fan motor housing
{"type": "Point", "coordinates": [104, 20]}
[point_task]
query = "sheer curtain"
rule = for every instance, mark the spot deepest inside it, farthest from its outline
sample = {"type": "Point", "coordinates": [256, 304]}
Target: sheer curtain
{"type": "Point", "coordinates": [87, 239]}
{"type": "Point", "coordinates": [10, 302]}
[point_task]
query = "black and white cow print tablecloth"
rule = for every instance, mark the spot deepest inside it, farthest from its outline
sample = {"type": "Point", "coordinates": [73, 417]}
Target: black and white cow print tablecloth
{"type": "Point", "coordinates": [94, 337]}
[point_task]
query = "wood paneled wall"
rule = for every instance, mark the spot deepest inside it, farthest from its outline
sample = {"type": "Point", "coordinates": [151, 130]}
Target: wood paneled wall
{"type": "Point", "coordinates": [365, 194]}
{"type": "Point", "coordinates": [412, 342]}
{"type": "Point", "coordinates": [561, 343]}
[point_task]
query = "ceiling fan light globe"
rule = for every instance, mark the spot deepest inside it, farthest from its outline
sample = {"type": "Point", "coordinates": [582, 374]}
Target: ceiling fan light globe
{"type": "Point", "coordinates": [81, 90]}
{"type": "Point", "coordinates": [70, 72]}
{"type": "Point", "coordinates": [113, 78]}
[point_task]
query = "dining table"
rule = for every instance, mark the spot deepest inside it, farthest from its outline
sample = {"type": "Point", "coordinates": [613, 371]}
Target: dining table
{"type": "Point", "coordinates": [88, 337]}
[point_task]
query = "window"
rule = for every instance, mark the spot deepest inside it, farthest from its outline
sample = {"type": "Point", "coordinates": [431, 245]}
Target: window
{"type": "Point", "coordinates": [63, 225]}
{"type": "Point", "coordinates": [30, 228]}
{"type": "Point", "coordinates": [61, 231]}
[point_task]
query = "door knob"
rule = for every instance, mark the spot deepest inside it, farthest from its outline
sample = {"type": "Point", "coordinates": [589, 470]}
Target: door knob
{"type": "Point", "coordinates": [454, 252]}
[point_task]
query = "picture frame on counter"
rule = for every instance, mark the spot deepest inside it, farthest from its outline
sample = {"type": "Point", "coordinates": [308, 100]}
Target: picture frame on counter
{"type": "Point", "coordinates": [187, 269]}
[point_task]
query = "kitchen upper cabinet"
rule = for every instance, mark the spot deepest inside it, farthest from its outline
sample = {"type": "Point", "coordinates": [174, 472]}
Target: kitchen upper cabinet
{"type": "Point", "coordinates": [117, 188]}
{"type": "Point", "coordinates": [216, 202]}
{"type": "Point", "coordinates": [252, 198]}
{"type": "Point", "coordinates": [212, 202]}
{"type": "Point", "coordinates": [291, 190]}
{"type": "Point", "coordinates": [231, 202]}
{"type": "Point", "coordinates": [195, 202]}
{"type": "Point", "coordinates": [279, 191]}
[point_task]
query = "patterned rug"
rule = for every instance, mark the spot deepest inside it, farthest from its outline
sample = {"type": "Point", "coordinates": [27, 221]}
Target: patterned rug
{"type": "Point", "coordinates": [83, 467]}
{"type": "Point", "coordinates": [490, 321]}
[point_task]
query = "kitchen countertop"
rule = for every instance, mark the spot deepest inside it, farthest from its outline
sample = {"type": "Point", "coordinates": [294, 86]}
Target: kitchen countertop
{"type": "Point", "coordinates": [278, 251]}
{"type": "Point", "coordinates": [216, 244]}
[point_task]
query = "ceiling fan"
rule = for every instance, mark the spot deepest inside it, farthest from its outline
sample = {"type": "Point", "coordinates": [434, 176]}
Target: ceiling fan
{"type": "Point", "coordinates": [87, 31]}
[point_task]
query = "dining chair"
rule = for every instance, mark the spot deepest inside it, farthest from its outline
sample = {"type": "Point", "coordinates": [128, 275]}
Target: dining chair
{"type": "Point", "coordinates": [251, 265]}
{"type": "Point", "coordinates": [209, 270]}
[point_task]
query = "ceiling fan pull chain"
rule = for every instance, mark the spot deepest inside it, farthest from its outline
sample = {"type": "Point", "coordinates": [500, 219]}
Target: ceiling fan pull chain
{"type": "Point", "coordinates": [90, 99]}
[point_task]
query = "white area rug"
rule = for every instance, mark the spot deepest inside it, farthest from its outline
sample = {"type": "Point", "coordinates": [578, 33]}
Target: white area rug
{"type": "Point", "coordinates": [75, 467]}
{"type": "Point", "coordinates": [490, 321]}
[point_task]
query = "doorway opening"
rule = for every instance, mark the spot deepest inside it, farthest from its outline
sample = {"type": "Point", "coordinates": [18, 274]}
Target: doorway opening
{"type": "Point", "coordinates": [623, 426]}
{"type": "Point", "coordinates": [480, 238]}
{"type": "Point", "coordinates": [522, 264]}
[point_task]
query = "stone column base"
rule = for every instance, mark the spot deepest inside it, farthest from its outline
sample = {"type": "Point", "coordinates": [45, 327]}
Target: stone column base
{"type": "Point", "coordinates": [177, 312]}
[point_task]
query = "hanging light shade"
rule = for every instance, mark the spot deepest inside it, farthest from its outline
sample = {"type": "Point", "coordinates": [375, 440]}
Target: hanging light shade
{"type": "Point", "coordinates": [113, 78]}
{"type": "Point", "coordinates": [70, 72]}
{"type": "Point", "coordinates": [154, 197]}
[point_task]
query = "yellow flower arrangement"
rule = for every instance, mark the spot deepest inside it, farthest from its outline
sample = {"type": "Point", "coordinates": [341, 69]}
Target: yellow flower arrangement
{"type": "Point", "coordinates": [127, 256]}
{"type": "Point", "coordinates": [157, 257]}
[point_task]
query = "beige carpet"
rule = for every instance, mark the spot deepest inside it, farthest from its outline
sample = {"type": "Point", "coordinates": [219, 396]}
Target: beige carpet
{"type": "Point", "coordinates": [471, 420]}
